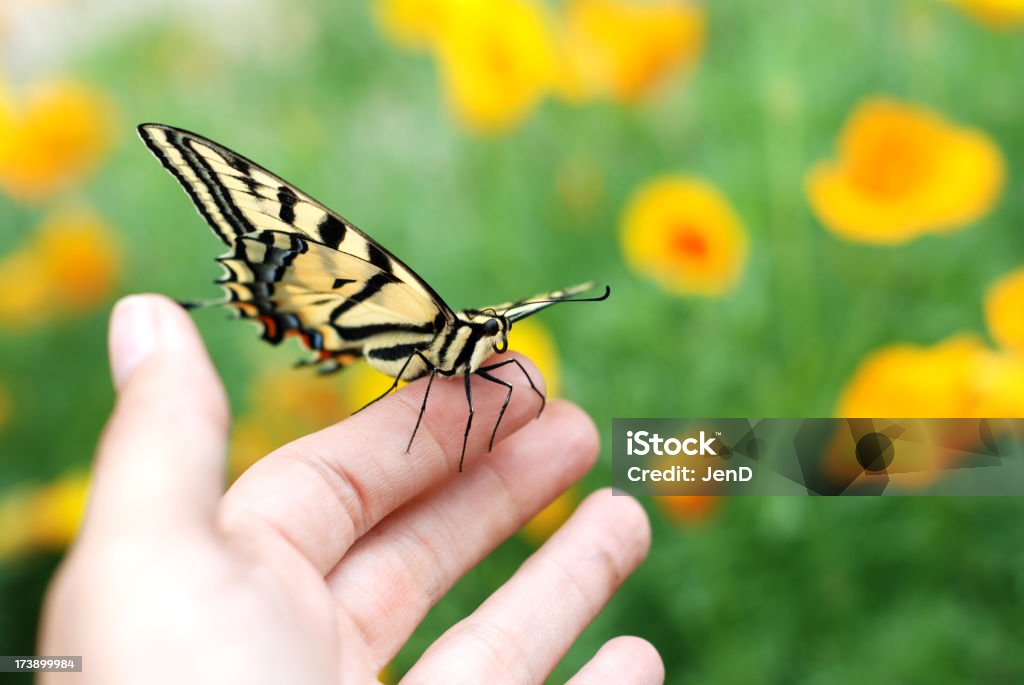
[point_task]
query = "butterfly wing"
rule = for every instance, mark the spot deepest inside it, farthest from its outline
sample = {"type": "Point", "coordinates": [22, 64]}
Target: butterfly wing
{"type": "Point", "coordinates": [296, 266]}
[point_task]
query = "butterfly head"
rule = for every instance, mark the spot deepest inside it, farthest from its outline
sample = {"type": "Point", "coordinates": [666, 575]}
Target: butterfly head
{"type": "Point", "coordinates": [495, 328]}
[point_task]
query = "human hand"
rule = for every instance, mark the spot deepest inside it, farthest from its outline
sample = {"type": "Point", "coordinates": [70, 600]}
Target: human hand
{"type": "Point", "coordinates": [321, 559]}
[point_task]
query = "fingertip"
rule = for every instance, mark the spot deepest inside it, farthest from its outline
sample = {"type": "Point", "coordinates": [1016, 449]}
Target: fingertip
{"type": "Point", "coordinates": [643, 656]}
{"type": "Point", "coordinates": [578, 433]}
{"type": "Point", "coordinates": [627, 515]}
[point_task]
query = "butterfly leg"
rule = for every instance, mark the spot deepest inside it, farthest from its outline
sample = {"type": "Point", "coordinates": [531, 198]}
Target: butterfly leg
{"type": "Point", "coordinates": [469, 420]}
{"type": "Point", "coordinates": [492, 367]}
{"type": "Point", "coordinates": [423, 408]}
{"type": "Point", "coordinates": [398, 378]}
{"type": "Point", "coordinates": [508, 396]}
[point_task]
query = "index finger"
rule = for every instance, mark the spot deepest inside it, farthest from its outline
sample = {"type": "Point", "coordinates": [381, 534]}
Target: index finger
{"type": "Point", "coordinates": [322, 492]}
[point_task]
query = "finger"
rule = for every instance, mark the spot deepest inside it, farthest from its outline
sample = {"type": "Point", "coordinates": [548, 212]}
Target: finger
{"type": "Point", "coordinates": [625, 660]}
{"type": "Point", "coordinates": [524, 629]}
{"type": "Point", "coordinates": [161, 457]}
{"type": "Point", "coordinates": [322, 492]}
{"type": "Point", "coordinates": [389, 580]}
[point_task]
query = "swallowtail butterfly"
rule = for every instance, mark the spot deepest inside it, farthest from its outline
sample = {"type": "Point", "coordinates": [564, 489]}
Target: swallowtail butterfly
{"type": "Point", "coordinates": [298, 269]}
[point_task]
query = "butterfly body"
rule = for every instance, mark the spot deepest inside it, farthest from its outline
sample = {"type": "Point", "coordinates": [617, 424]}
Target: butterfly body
{"type": "Point", "coordinates": [300, 270]}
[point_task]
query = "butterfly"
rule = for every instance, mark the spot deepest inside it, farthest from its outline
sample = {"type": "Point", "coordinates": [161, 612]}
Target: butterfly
{"type": "Point", "coordinates": [296, 268]}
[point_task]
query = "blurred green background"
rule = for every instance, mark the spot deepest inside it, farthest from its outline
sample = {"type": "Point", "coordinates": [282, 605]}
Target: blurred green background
{"type": "Point", "coordinates": [747, 590]}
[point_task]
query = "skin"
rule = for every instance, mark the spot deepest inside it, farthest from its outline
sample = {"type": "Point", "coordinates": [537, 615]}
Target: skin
{"type": "Point", "coordinates": [319, 562]}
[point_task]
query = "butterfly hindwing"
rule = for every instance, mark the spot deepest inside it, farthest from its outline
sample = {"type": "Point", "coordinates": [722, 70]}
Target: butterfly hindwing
{"type": "Point", "coordinates": [290, 286]}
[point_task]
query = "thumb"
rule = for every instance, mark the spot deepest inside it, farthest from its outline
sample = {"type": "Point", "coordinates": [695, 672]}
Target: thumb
{"type": "Point", "coordinates": [161, 458]}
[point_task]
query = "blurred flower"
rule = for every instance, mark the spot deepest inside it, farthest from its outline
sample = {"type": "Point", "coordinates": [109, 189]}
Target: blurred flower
{"type": "Point", "coordinates": [620, 49]}
{"type": "Point", "coordinates": [497, 59]}
{"type": "Point", "coordinates": [998, 13]}
{"type": "Point", "coordinates": [69, 265]}
{"type": "Point", "coordinates": [1004, 311]}
{"type": "Point", "coordinates": [361, 383]}
{"type": "Point", "coordinates": [44, 518]}
{"type": "Point", "coordinates": [531, 338]}
{"type": "Point", "coordinates": [81, 256]}
{"type": "Point", "coordinates": [688, 508]}
{"type": "Point", "coordinates": [414, 23]}
{"type": "Point", "coordinates": [903, 171]}
{"type": "Point", "coordinates": [550, 518]}
{"type": "Point", "coordinates": [51, 139]}
{"type": "Point", "coordinates": [285, 404]}
{"type": "Point", "coordinates": [959, 377]}
{"type": "Point", "coordinates": [682, 232]}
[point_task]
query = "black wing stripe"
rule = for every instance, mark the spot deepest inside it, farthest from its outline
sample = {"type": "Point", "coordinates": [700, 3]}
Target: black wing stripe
{"type": "Point", "coordinates": [372, 287]}
{"type": "Point", "coordinates": [182, 181]}
{"type": "Point", "coordinates": [208, 177]}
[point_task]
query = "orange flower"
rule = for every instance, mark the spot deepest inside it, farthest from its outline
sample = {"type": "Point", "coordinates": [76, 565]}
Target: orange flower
{"type": "Point", "coordinates": [621, 50]}
{"type": "Point", "coordinates": [81, 255]}
{"type": "Point", "coordinates": [285, 404]}
{"type": "Point", "coordinates": [1004, 311]}
{"type": "Point", "coordinates": [683, 233]}
{"type": "Point", "coordinates": [497, 59]}
{"type": "Point", "coordinates": [52, 139]}
{"type": "Point", "coordinates": [959, 377]}
{"type": "Point", "coordinates": [688, 508]}
{"type": "Point", "coordinates": [550, 519]}
{"type": "Point", "coordinates": [903, 171]}
{"type": "Point", "coordinates": [69, 265]}
{"type": "Point", "coordinates": [997, 13]}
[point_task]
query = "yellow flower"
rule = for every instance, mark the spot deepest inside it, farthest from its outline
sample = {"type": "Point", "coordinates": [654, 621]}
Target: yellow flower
{"type": "Point", "coordinates": [27, 287]}
{"type": "Point", "coordinates": [959, 377]}
{"type": "Point", "coordinates": [57, 510]}
{"type": "Point", "coordinates": [548, 520]}
{"type": "Point", "coordinates": [621, 50]}
{"type": "Point", "coordinates": [44, 518]}
{"type": "Point", "coordinates": [531, 338]}
{"type": "Point", "coordinates": [497, 59]}
{"type": "Point", "coordinates": [70, 264]}
{"type": "Point", "coordinates": [52, 139]}
{"type": "Point", "coordinates": [903, 171]}
{"type": "Point", "coordinates": [1004, 311]}
{"type": "Point", "coordinates": [683, 233]}
{"type": "Point", "coordinates": [414, 23]}
{"type": "Point", "coordinates": [998, 13]}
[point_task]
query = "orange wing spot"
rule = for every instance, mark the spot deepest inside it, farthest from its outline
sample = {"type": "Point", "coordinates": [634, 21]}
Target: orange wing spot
{"type": "Point", "coordinates": [246, 308]}
{"type": "Point", "coordinates": [270, 325]}
{"type": "Point", "coordinates": [301, 335]}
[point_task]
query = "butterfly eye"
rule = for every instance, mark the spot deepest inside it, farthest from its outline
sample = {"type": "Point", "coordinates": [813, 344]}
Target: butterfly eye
{"type": "Point", "coordinates": [491, 327]}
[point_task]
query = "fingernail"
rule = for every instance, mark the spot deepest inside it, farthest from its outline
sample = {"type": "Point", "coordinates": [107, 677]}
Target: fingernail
{"type": "Point", "coordinates": [132, 336]}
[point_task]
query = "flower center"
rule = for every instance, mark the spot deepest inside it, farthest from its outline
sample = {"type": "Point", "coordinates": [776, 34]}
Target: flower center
{"type": "Point", "coordinates": [892, 165]}
{"type": "Point", "coordinates": [686, 242]}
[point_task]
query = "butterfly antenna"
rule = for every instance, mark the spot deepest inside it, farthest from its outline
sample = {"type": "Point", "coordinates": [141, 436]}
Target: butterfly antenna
{"type": "Point", "coordinates": [600, 298]}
